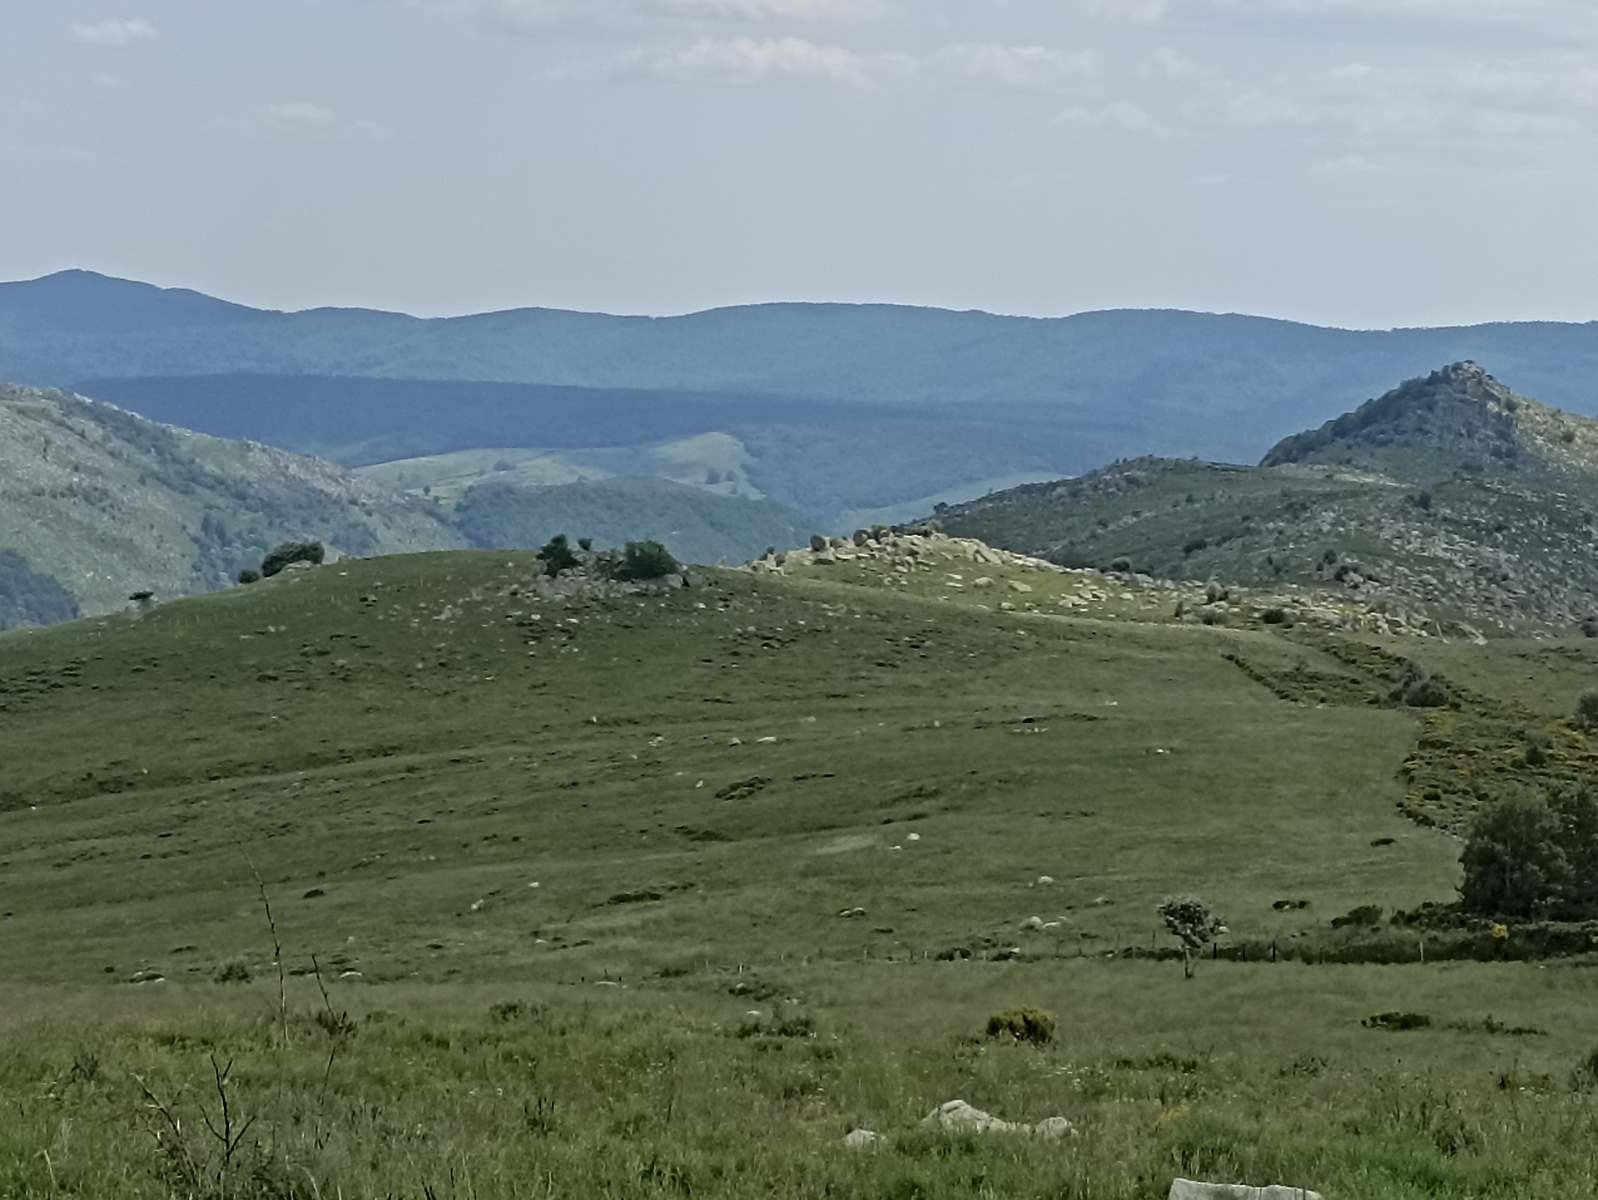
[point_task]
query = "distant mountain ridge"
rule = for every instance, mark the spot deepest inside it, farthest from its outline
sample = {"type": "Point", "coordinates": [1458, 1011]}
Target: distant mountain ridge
{"type": "Point", "coordinates": [1109, 383]}
{"type": "Point", "coordinates": [1451, 493]}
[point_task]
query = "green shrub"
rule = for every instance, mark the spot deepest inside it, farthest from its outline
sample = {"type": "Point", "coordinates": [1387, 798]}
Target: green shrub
{"type": "Point", "coordinates": [235, 970]}
{"type": "Point", "coordinates": [249, 576]}
{"type": "Point", "coordinates": [1031, 1025]}
{"type": "Point", "coordinates": [1397, 1022]}
{"type": "Point", "coordinates": [1417, 689]}
{"type": "Point", "coordinates": [292, 552]}
{"type": "Point", "coordinates": [647, 560]}
{"type": "Point", "coordinates": [1538, 745]}
{"type": "Point", "coordinates": [1584, 1075]}
{"type": "Point", "coordinates": [1587, 709]}
{"type": "Point", "coordinates": [1274, 616]}
{"type": "Point", "coordinates": [556, 555]}
{"type": "Point", "coordinates": [1121, 565]}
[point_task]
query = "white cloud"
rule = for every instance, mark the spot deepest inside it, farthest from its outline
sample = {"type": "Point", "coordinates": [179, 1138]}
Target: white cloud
{"type": "Point", "coordinates": [738, 60]}
{"type": "Point", "coordinates": [308, 117]}
{"type": "Point", "coordinates": [113, 33]}
{"type": "Point", "coordinates": [1012, 66]}
{"type": "Point", "coordinates": [299, 112]}
{"type": "Point", "coordinates": [752, 59]}
{"type": "Point", "coordinates": [540, 16]}
{"type": "Point", "coordinates": [1120, 115]}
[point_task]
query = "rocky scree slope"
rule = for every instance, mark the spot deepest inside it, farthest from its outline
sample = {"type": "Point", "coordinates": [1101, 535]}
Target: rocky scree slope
{"type": "Point", "coordinates": [923, 561]}
{"type": "Point", "coordinates": [96, 503]}
{"type": "Point", "coordinates": [1449, 498]}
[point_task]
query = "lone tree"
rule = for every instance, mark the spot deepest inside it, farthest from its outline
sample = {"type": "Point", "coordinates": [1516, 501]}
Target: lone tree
{"type": "Point", "coordinates": [1190, 922]}
{"type": "Point", "coordinates": [557, 556]}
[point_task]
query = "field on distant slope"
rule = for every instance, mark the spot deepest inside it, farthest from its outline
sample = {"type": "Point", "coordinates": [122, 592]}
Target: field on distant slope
{"type": "Point", "coordinates": [572, 876]}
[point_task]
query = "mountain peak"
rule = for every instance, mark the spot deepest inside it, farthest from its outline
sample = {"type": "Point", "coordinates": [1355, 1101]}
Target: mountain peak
{"type": "Point", "coordinates": [1458, 418]}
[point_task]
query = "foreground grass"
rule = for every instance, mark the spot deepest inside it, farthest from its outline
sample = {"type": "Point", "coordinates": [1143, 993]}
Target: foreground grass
{"type": "Point", "coordinates": [652, 1091]}
{"type": "Point", "coordinates": [575, 874]}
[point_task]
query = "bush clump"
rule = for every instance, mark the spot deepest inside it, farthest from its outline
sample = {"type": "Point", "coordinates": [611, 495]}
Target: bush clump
{"type": "Point", "coordinates": [646, 560]}
{"type": "Point", "coordinates": [1397, 1022]}
{"type": "Point", "coordinates": [556, 555]}
{"type": "Point", "coordinates": [249, 576]}
{"type": "Point", "coordinates": [1587, 709]}
{"type": "Point", "coordinates": [235, 970]}
{"type": "Point", "coordinates": [1031, 1025]}
{"type": "Point", "coordinates": [292, 552]}
{"type": "Point", "coordinates": [1417, 689]}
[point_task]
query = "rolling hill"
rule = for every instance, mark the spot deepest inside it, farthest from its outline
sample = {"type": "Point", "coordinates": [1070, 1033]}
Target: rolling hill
{"type": "Point", "coordinates": [442, 884]}
{"type": "Point", "coordinates": [96, 503]}
{"type": "Point", "coordinates": [1450, 493]}
{"type": "Point", "coordinates": [962, 398]}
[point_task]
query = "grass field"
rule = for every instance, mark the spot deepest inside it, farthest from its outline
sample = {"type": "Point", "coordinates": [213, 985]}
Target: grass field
{"type": "Point", "coordinates": [575, 873]}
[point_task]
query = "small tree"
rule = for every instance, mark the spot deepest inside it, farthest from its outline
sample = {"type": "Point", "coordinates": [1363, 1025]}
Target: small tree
{"type": "Point", "coordinates": [1514, 861]}
{"type": "Point", "coordinates": [1190, 922]}
{"type": "Point", "coordinates": [647, 560]}
{"type": "Point", "coordinates": [557, 556]}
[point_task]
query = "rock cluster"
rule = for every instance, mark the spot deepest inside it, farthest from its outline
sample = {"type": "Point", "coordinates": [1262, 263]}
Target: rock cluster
{"type": "Point", "coordinates": [900, 551]}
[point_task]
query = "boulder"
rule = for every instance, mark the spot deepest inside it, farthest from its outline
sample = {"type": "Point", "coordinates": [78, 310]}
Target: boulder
{"type": "Point", "coordinates": [986, 581]}
{"type": "Point", "coordinates": [1053, 1128]}
{"type": "Point", "coordinates": [959, 1117]}
{"type": "Point", "coordinates": [1017, 586]}
{"type": "Point", "coordinates": [861, 1139]}
{"type": "Point", "coordinates": [817, 542]}
{"type": "Point", "coordinates": [861, 537]}
{"type": "Point", "coordinates": [1187, 1189]}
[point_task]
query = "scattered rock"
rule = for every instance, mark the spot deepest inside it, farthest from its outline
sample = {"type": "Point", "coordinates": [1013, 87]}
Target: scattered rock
{"type": "Point", "coordinates": [1187, 1189]}
{"type": "Point", "coordinates": [861, 1139]}
{"type": "Point", "coordinates": [983, 581]}
{"type": "Point", "coordinates": [853, 912]}
{"type": "Point", "coordinates": [1017, 586]}
{"type": "Point", "coordinates": [817, 542]}
{"type": "Point", "coordinates": [959, 1117]}
{"type": "Point", "coordinates": [1045, 880]}
{"type": "Point", "coordinates": [1032, 923]}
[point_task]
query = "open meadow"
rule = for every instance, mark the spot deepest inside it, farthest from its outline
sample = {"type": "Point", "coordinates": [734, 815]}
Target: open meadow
{"type": "Point", "coordinates": [663, 894]}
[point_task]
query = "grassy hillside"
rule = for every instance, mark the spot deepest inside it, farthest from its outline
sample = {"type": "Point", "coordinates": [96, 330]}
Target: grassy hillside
{"type": "Point", "coordinates": [1171, 383]}
{"type": "Point", "coordinates": [1451, 495]}
{"type": "Point", "coordinates": [661, 895]}
{"type": "Point", "coordinates": [96, 503]}
{"type": "Point", "coordinates": [695, 525]}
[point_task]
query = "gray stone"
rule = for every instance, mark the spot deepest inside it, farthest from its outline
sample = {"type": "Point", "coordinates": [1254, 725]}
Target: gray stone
{"type": "Point", "coordinates": [861, 1139]}
{"type": "Point", "coordinates": [1187, 1189]}
{"type": "Point", "coordinates": [817, 542]}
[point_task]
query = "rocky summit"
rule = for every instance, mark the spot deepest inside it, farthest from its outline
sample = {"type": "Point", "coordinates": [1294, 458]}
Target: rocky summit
{"type": "Point", "coordinates": [1450, 499]}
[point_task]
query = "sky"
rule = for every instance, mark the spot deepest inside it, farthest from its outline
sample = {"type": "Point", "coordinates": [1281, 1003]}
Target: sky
{"type": "Point", "coordinates": [1365, 163]}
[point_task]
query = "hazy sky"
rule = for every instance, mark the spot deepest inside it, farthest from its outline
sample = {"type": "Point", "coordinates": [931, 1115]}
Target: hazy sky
{"type": "Point", "coordinates": [1357, 162]}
